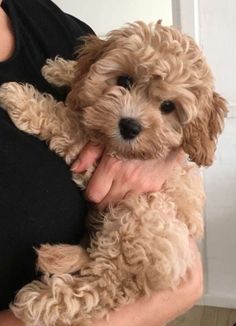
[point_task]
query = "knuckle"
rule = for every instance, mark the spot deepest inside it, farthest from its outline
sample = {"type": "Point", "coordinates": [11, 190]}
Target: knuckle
{"type": "Point", "coordinates": [114, 165]}
{"type": "Point", "coordinates": [127, 178]}
{"type": "Point", "coordinates": [131, 176]}
{"type": "Point", "coordinates": [93, 196]}
{"type": "Point", "coordinates": [94, 150]}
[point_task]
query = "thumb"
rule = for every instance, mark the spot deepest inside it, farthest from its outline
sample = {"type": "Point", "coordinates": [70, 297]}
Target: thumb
{"type": "Point", "coordinates": [87, 157]}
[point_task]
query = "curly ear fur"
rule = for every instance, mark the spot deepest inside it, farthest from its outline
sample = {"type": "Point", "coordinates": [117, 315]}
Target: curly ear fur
{"type": "Point", "coordinates": [87, 55]}
{"type": "Point", "coordinates": [200, 136]}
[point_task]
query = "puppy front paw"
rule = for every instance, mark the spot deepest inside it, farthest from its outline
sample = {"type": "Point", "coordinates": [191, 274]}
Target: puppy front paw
{"type": "Point", "coordinates": [10, 95]}
{"type": "Point", "coordinates": [59, 72]}
{"type": "Point", "coordinates": [20, 100]}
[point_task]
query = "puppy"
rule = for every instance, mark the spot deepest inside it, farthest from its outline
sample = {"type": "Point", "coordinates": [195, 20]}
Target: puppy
{"type": "Point", "coordinates": [142, 92]}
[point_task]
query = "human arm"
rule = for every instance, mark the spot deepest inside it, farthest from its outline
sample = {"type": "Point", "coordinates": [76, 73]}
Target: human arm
{"type": "Point", "coordinates": [156, 310]}
{"type": "Point", "coordinates": [8, 319]}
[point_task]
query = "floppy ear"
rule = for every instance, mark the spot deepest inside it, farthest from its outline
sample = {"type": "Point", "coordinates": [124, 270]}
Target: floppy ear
{"type": "Point", "coordinates": [200, 136]}
{"type": "Point", "coordinates": [87, 55]}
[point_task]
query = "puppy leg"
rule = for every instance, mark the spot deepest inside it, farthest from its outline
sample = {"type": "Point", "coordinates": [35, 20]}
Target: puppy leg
{"type": "Point", "coordinates": [59, 72]}
{"type": "Point", "coordinates": [41, 115]}
{"type": "Point", "coordinates": [189, 196]}
{"type": "Point", "coordinates": [155, 244]}
{"type": "Point", "coordinates": [58, 259]}
{"type": "Point", "coordinates": [141, 247]}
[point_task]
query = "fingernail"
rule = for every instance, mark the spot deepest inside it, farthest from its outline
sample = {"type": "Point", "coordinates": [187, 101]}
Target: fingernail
{"type": "Point", "coordinates": [75, 165]}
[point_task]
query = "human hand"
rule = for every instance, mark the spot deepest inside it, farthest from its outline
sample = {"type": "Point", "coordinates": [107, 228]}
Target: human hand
{"type": "Point", "coordinates": [113, 179]}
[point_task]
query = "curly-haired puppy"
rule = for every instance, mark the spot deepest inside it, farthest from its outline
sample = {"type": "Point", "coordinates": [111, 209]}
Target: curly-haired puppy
{"type": "Point", "coordinates": [143, 92]}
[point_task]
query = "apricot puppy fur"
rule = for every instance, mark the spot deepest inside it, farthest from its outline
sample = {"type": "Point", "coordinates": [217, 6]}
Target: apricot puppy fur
{"type": "Point", "coordinates": [142, 92]}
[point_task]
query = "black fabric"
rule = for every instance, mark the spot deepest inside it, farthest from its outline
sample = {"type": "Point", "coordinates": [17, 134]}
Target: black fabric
{"type": "Point", "coordinates": [39, 203]}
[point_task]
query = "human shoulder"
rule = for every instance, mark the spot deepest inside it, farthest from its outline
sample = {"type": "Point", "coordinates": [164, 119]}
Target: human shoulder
{"type": "Point", "coordinates": [47, 15]}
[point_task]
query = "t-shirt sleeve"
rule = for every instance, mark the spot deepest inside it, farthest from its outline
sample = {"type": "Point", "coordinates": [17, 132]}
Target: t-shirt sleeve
{"type": "Point", "coordinates": [76, 26]}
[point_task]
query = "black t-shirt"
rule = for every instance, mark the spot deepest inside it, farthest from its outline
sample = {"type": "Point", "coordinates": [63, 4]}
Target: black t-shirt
{"type": "Point", "coordinates": [39, 203]}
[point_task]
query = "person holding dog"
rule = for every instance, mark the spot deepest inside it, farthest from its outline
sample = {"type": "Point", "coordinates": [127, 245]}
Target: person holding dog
{"type": "Point", "coordinates": [53, 209]}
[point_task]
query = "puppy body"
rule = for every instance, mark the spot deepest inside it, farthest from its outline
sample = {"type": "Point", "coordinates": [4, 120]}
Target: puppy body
{"type": "Point", "coordinates": [143, 92]}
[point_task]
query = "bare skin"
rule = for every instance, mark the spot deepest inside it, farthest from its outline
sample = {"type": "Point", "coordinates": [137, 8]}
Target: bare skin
{"type": "Point", "coordinates": [114, 179]}
{"type": "Point", "coordinates": [107, 185]}
{"type": "Point", "coordinates": [7, 45]}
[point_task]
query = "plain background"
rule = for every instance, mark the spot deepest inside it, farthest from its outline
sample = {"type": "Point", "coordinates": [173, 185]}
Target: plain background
{"type": "Point", "coordinates": [105, 15]}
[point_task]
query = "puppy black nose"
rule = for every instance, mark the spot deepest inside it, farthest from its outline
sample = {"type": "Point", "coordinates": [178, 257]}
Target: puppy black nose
{"type": "Point", "coordinates": [129, 128]}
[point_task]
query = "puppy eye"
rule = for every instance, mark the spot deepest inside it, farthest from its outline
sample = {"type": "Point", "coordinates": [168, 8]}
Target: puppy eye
{"type": "Point", "coordinates": [125, 81]}
{"type": "Point", "coordinates": [167, 107]}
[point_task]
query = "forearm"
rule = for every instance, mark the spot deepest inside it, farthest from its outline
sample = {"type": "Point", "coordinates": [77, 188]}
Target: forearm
{"type": "Point", "coordinates": [144, 311]}
{"type": "Point", "coordinates": [8, 319]}
{"type": "Point", "coordinates": [153, 311]}
{"type": "Point", "coordinates": [158, 310]}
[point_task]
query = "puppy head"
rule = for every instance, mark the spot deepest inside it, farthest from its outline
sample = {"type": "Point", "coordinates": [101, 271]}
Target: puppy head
{"type": "Point", "coordinates": [145, 90]}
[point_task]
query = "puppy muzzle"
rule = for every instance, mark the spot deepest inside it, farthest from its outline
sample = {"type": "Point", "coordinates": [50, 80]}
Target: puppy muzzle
{"type": "Point", "coordinates": [129, 128]}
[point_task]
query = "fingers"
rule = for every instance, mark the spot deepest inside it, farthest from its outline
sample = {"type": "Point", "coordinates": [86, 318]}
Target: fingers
{"type": "Point", "coordinates": [113, 178]}
{"type": "Point", "coordinates": [88, 157]}
{"type": "Point", "coordinates": [101, 182]}
{"type": "Point", "coordinates": [116, 193]}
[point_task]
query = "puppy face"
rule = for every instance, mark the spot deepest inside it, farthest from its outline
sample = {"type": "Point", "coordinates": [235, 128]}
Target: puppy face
{"type": "Point", "coordinates": [146, 90]}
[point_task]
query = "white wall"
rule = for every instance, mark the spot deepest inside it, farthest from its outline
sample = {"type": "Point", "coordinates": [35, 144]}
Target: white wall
{"type": "Point", "coordinates": [105, 15]}
{"type": "Point", "coordinates": [220, 183]}
{"type": "Point", "coordinates": [217, 29]}
{"type": "Point", "coordinates": [217, 33]}
{"type": "Point", "coordinates": [213, 23]}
